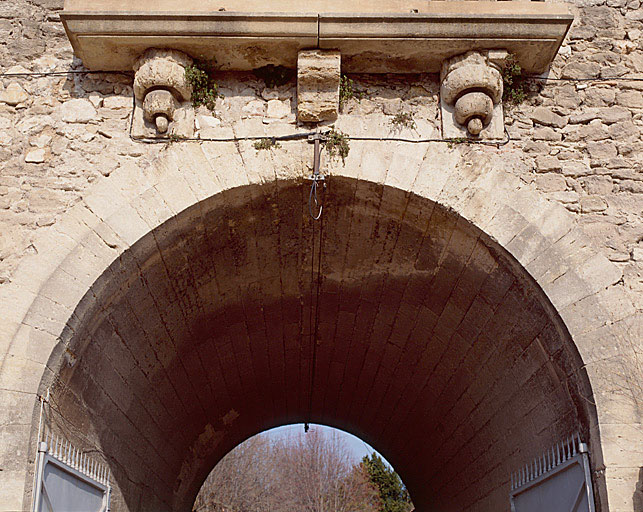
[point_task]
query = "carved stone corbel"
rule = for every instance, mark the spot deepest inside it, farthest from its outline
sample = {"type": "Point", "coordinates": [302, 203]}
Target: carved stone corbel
{"type": "Point", "coordinates": [471, 95]}
{"type": "Point", "coordinates": [162, 94]}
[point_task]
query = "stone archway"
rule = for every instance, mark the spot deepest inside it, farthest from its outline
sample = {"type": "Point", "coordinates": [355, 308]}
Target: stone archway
{"type": "Point", "coordinates": [171, 268]}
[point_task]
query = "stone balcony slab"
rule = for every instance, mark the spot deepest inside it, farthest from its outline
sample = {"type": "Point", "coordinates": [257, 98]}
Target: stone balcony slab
{"type": "Point", "coordinates": [373, 36]}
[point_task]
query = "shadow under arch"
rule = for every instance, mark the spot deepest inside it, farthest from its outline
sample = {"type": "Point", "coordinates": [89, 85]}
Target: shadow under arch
{"type": "Point", "coordinates": [435, 345]}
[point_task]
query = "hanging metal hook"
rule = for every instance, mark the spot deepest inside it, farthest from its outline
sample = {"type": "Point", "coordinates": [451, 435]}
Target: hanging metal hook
{"type": "Point", "coordinates": [314, 207]}
{"type": "Point", "coordinates": [313, 200]}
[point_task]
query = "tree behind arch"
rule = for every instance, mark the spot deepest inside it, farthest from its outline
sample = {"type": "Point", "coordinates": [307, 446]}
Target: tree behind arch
{"type": "Point", "coordinates": [393, 494]}
{"type": "Point", "coordinates": [311, 472]}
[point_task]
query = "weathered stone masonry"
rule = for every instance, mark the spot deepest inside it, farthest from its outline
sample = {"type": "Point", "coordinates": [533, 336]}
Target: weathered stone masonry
{"type": "Point", "coordinates": [564, 200]}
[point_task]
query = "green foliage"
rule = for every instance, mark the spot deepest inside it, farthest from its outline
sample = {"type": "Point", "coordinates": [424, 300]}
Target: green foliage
{"type": "Point", "coordinates": [266, 144]}
{"type": "Point", "coordinates": [456, 140]}
{"type": "Point", "coordinates": [403, 120]}
{"type": "Point", "coordinates": [347, 91]}
{"type": "Point", "coordinates": [204, 89]}
{"type": "Point", "coordinates": [393, 495]}
{"type": "Point", "coordinates": [274, 76]}
{"type": "Point", "coordinates": [336, 144]}
{"type": "Point", "coordinates": [513, 81]}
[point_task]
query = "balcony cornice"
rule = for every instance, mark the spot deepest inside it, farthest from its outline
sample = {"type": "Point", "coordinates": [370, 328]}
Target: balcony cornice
{"type": "Point", "coordinates": [397, 41]}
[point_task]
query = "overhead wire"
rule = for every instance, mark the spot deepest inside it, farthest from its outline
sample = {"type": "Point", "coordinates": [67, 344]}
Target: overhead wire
{"type": "Point", "coordinates": [129, 73]}
{"type": "Point", "coordinates": [311, 369]}
{"type": "Point", "coordinates": [317, 302]}
{"type": "Point", "coordinates": [585, 79]}
{"type": "Point", "coordinates": [313, 324]}
{"type": "Point", "coordinates": [64, 73]}
{"type": "Point", "coordinates": [305, 135]}
{"type": "Point", "coordinates": [299, 136]}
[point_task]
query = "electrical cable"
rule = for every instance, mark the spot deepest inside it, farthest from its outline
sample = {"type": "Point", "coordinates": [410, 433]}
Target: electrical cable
{"type": "Point", "coordinates": [502, 142]}
{"type": "Point", "coordinates": [305, 136]}
{"type": "Point", "coordinates": [316, 177]}
{"type": "Point", "coordinates": [129, 73]}
{"type": "Point", "coordinates": [64, 73]}
{"type": "Point", "coordinates": [584, 79]}
{"type": "Point", "coordinates": [317, 301]}
{"type": "Point", "coordinates": [311, 372]}
{"type": "Point", "coordinates": [280, 138]}
{"type": "Point", "coordinates": [315, 329]}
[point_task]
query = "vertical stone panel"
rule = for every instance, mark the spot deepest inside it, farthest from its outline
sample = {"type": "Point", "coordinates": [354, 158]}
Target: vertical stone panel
{"type": "Point", "coordinates": [318, 76]}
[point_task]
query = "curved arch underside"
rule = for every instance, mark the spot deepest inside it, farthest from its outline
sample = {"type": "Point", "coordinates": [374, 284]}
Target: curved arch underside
{"type": "Point", "coordinates": [434, 346]}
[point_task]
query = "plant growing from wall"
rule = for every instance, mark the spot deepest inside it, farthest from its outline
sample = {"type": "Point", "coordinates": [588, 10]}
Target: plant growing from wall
{"type": "Point", "coordinates": [403, 120]}
{"type": "Point", "coordinates": [451, 143]}
{"type": "Point", "coordinates": [274, 76]}
{"type": "Point", "coordinates": [513, 81]}
{"type": "Point", "coordinates": [336, 144]}
{"type": "Point", "coordinates": [347, 91]}
{"type": "Point", "coordinates": [173, 137]}
{"type": "Point", "coordinates": [266, 144]}
{"type": "Point", "coordinates": [204, 90]}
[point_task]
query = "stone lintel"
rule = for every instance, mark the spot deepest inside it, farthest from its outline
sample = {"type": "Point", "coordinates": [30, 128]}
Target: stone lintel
{"type": "Point", "coordinates": [372, 36]}
{"type": "Point", "coordinates": [318, 77]}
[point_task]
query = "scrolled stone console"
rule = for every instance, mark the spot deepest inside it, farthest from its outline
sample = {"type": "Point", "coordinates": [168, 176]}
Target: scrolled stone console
{"type": "Point", "coordinates": [162, 94]}
{"type": "Point", "coordinates": [471, 95]}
